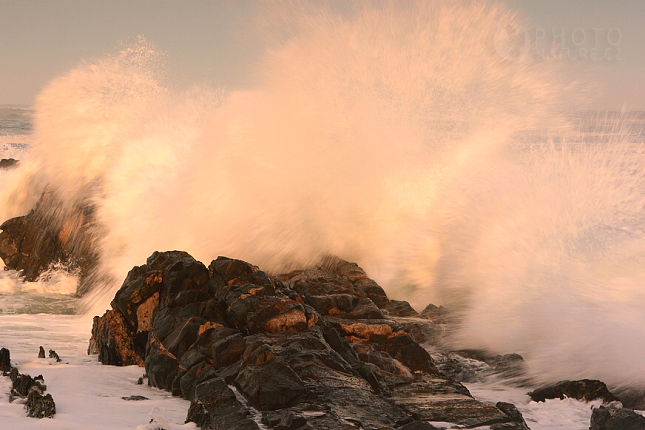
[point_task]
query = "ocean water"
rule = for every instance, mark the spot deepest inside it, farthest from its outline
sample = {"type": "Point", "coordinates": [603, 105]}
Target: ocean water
{"type": "Point", "coordinates": [393, 135]}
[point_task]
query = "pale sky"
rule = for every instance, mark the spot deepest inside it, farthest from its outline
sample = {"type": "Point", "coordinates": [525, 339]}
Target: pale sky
{"type": "Point", "coordinates": [210, 41]}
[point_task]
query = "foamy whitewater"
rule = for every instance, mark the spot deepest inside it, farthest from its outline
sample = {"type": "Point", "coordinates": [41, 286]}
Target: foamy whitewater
{"type": "Point", "coordinates": [396, 135]}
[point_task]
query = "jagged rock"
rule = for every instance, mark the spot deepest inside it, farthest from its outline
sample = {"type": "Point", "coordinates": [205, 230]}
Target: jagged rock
{"type": "Point", "coordinates": [585, 389]}
{"type": "Point", "coordinates": [50, 234]}
{"type": "Point", "coordinates": [20, 383]}
{"type": "Point", "coordinates": [615, 417]}
{"type": "Point", "coordinates": [436, 314]}
{"type": "Point", "coordinates": [311, 349]}
{"type": "Point", "coordinates": [53, 354]}
{"type": "Point", "coordinates": [5, 360]}
{"type": "Point", "coordinates": [39, 405]}
{"type": "Point", "coordinates": [400, 308]}
{"type": "Point", "coordinates": [41, 352]}
{"type": "Point", "coordinates": [113, 341]}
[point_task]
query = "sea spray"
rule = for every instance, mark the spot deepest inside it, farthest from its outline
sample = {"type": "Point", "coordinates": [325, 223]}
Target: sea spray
{"type": "Point", "coordinates": [385, 133]}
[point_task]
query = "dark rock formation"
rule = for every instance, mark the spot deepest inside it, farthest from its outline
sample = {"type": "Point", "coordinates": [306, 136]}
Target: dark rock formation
{"type": "Point", "coordinates": [436, 314]}
{"type": "Point", "coordinates": [135, 398]}
{"type": "Point", "coordinates": [8, 163]}
{"type": "Point", "coordinates": [54, 354]}
{"type": "Point", "coordinates": [400, 308]}
{"type": "Point", "coordinates": [37, 403]}
{"type": "Point", "coordinates": [5, 360]}
{"type": "Point", "coordinates": [310, 349]}
{"type": "Point", "coordinates": [50, 235]}
{"type": "Point", "coordinates": [615, 417]}
{"type": "Point", "coordinates": [585, 389]}
{"type": "Point", "coordinates": [41, 352]}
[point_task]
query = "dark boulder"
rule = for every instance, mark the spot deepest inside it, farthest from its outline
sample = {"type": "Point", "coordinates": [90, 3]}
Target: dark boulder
{"type": "Point", "coordinates": [584, 389]}
{"type": "Point", "coordinates": [615, 417]}
{"type": "Point", "coordinates": [5, 360]}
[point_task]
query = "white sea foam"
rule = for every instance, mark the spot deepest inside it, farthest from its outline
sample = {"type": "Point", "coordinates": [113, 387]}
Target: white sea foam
{"type": "Point", "coordinates": [87, 394]}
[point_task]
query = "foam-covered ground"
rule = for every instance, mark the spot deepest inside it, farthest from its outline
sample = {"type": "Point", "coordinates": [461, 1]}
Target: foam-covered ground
{"type": "Point", "coordinates": [88, 395]}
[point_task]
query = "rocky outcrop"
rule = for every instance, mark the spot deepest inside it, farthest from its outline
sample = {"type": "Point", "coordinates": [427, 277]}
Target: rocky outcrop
{"type": "Point", "coordinates": [50, 235]}
{"type": "Point", "coordinates": [311, 349]}
{"type": "Point", "coordinates": [584, 389]}
{"type": "Point", "coordinates": [615, 417]}
{"type": "Point", "coordinates": [37, 403]}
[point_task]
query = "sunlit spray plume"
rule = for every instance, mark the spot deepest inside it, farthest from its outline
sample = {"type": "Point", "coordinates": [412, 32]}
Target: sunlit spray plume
{"type": "Point", "coordinates": [383, 133]}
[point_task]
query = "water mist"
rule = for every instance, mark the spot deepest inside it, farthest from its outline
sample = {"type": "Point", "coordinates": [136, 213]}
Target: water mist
{"type": "Point", "coordinates": [386, 134]}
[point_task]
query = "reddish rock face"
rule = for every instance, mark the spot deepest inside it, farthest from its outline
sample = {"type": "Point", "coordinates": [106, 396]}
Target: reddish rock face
{"type": "Point", "coordinates": [113, 341]}
{"type": "Point", "coordinates": [50, 235]}
{"type": "Point", "coordinates": [311, 349]}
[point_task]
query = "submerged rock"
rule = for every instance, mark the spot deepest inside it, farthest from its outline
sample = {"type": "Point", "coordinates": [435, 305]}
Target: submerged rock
{"type": "Point", "coordinates": [584, 389]}
{"type": "Point", "coordinates": [311, 349]}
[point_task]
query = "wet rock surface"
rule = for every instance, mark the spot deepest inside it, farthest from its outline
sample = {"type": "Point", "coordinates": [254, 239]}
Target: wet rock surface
{"type": "Point", "coordinates": [23, 386]}
{"type": "Point", "coordinates": [615, 417]}
{"type": "Point", "coordinates": [311, 349]}
{"type": "Point", "coordinates": [584, 389]}
{"type": "Point", "coordinates": [50, 235]}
